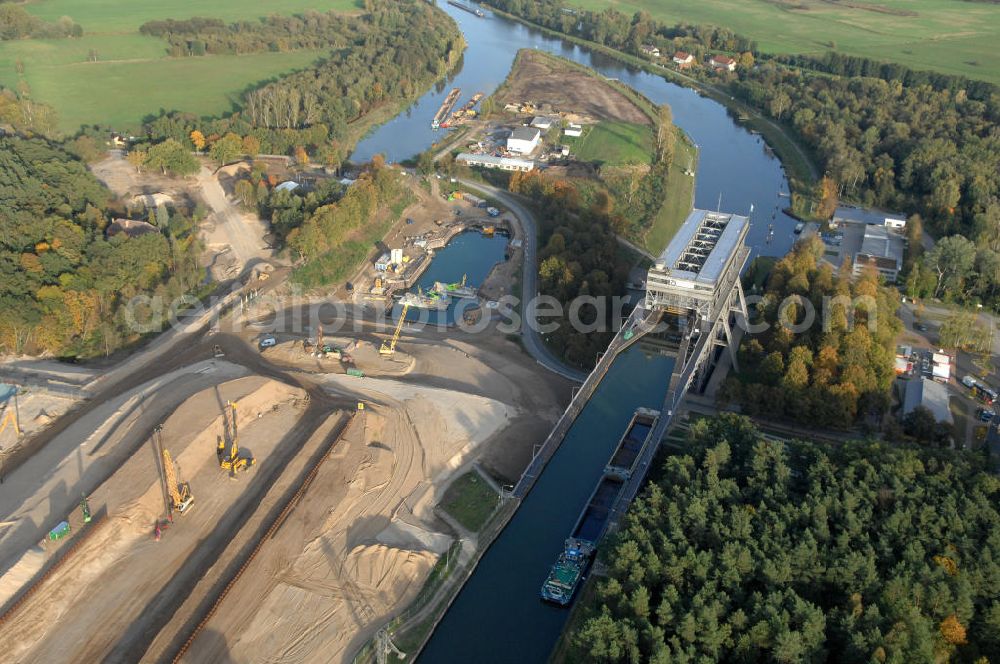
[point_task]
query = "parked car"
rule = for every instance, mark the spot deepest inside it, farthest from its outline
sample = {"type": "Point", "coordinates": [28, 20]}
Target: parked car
{"type": "Point", "coordinates": [985, 415]}
{"type": "Point", "coordinates": [268, 342]}
{"type": "Point", "coordinates": [920, 327]}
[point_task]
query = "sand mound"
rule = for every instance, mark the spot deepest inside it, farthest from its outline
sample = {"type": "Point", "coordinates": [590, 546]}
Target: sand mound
{"type": "Point", "coordinates": [388, 570]}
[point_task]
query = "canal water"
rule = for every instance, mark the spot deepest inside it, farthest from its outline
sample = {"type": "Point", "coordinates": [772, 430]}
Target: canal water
{"type": "Point", "coordinates": [469, 255]}
{"type": "Point", "coordinates": [497, 616]}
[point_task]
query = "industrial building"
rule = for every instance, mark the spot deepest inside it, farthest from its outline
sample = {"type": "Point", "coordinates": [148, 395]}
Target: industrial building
{"type": "Point", "coordinates": [881, 250]}
{"type": "Point", "coordinates": [927, 393]}
{"type": "Point", "coordinates": [490, 161]}
{"type": "Point", "coordinates": [849, 214]}
{"type": "Point", "coordinates": [524, 140]}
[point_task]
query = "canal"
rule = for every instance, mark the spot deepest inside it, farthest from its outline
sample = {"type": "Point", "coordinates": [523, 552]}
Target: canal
{"type": "Point", "coordinates": [497, 616]}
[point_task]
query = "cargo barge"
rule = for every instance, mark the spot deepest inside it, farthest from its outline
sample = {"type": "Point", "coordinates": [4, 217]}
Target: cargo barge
{"type": "Point", "coordinates": [572, 564]}
{"type": "Point", "coordinates": [472, 10]}
{"type": "Point", "coordinates": [578, 551]}
{"type": "Point", "coordinates": [630, 446]}
{"type": "Point", "coordinates": [446, 107]}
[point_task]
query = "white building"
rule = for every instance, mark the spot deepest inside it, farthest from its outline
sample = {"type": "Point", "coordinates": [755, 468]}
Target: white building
{"type": "Point", "coordinates": [489, 161]}
{"type": "Point", "coordinates": [542, 123]}
{"type": "Point", "coordinates": [524, 140]}
{"type": "Point", "coordinates": [573, 130]}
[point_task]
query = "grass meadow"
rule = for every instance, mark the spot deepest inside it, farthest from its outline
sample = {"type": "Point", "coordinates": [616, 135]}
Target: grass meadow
{"type": "Point", "coordinates": [950, 36]}
{"type": "Point", "coordinates": [133, 77]}
{"type": "Point", "coordinates": [613, 143]}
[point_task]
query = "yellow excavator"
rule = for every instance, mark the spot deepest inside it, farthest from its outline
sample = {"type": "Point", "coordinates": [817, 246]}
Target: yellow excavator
{"type": "Point", "coordinates": [231, 460]}
{"type": "Point", "coordinates": [389, 347]}
{"type": "Point", "coordinates": [10, 418]}
{"type": "Point", "coordinates": [180, 492]}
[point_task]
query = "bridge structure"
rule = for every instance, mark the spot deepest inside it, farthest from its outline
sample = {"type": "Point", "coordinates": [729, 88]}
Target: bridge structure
{"type": "Point", "coordinates": [693, 293]}
{"type": "Point", "coordinates": [693, 298]}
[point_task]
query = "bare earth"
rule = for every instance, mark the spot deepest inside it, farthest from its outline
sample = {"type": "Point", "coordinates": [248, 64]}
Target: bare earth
{"type": "Point", "coordinates": [538, 78]}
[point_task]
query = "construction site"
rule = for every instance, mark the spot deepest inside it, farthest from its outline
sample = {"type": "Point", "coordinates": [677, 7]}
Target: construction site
{"type": "Point", "coordinates": [230, 494]}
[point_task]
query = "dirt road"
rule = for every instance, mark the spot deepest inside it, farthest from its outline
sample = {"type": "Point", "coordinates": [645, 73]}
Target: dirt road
{"type": "Point", "coordinates": [243, 233]}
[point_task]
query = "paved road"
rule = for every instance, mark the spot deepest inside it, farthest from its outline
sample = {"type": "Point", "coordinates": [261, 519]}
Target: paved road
{"type": "Point", "coordinates": [529, 282]}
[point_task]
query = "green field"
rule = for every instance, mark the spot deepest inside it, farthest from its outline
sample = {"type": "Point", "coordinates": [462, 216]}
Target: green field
{"type": "Point", "coordinates": [614, 143]}
{"type": "Point", "coordinates": [470, 500]}
{"type": "Point", "coordinates": [133, 77]}
{"type": "Point", "coordinates": [950, 36]}
{"type": "Point", "coordinates": [680, 197]}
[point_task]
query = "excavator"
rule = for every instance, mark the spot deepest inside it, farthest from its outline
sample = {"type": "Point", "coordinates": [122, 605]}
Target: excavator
{"type": "Point", "coordinates": [389, 347]}
{"type": "Point", "coordinates": [231, 460]}
{"type": "Point", "coordinates": [180, 492]}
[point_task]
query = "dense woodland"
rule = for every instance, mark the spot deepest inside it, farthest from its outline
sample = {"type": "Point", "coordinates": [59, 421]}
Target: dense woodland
{"type": "Point", "coordinates": [211, 36]}
{"type": "Point", "coordinates": [62, 282]}
{"type": "Point", "coordinates": [886, 135]}
{"type": "Point", "coordinates": [381, 59]}
{"type": "Point", "coordinates": [749, 550]}
{"type": "Point", "coordinates": [579, 257]}
{"type": "Point", "coordinates": [840, 368]}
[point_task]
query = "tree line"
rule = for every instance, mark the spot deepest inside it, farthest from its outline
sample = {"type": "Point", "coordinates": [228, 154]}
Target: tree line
{"type": "Point", "coordinates": [63, 283]}
{"type": "Point", "coordinates": [836, 371]}
{"type": "Point", "coordinates": [210, 36]}
{"type": "Point", "coordinates": [745, 549]}
{"type": "Point", "coordinates": [17, 23]}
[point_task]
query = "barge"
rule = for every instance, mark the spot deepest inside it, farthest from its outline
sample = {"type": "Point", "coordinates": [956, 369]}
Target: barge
{"type": "Point", "coordinates": [631, 444]}
{"type": "Point", "coordinates": [446, 107]}
{"type": "Point", "coordinates": [579, 548]}
{"type": "Point", "coordinates": [572, 564]}
{"type": "Point", "coordinates": [472, 10]}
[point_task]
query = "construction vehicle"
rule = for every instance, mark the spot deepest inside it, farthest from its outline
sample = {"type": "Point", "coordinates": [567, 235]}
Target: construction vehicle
{"type": "Point", "coordinates": [389, 347]}
{"type": "Point", "coordinates": [180, 492]}
{"type": "Point", "coordinates": [10, 418]}
{"type": "Point", "coordinates": [85, 509]}
{"type": "Point", "coordinates": [231, 460]}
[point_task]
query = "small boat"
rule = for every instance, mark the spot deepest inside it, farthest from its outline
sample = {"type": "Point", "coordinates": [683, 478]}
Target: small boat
{"type": "Point", "coordinates": [799, 227]}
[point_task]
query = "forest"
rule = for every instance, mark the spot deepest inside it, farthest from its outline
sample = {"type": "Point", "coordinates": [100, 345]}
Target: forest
{"type": "Point", "coordinates": [579, 258]}
{"type": "Point", "coordinates": [62, 282]}
{"type": "Point", "coordinates": [839, 369]}
{"type": "Point", "coordinates": [391, 54]}
{"type": "Point", "coordinates": [750, 550]}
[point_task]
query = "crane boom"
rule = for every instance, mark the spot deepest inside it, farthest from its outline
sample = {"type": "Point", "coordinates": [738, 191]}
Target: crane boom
{"type": "Point", "coordinates": [389, 347]}
{"type": "Point", "coordinates": [180, 494]}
